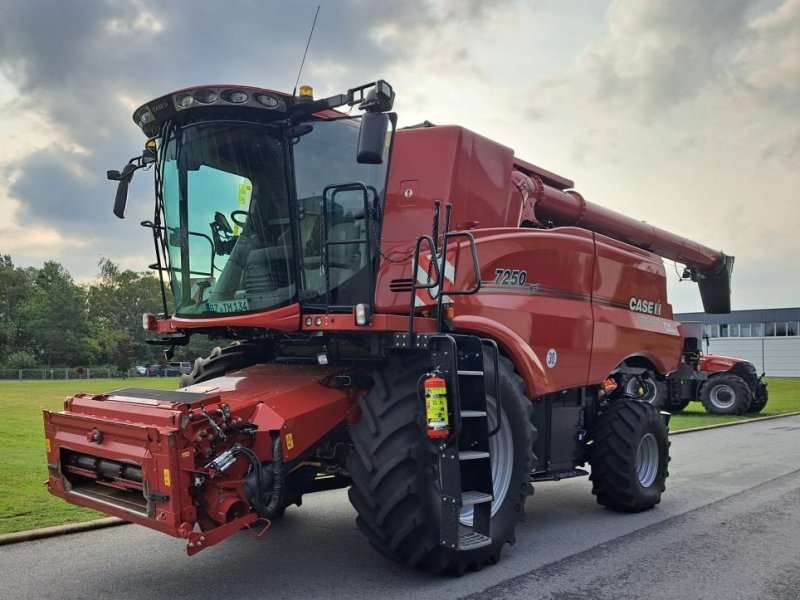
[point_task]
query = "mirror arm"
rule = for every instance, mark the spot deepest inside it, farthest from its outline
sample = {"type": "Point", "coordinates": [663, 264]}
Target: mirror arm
{"type": "Point", "coordinates": [124, 178]}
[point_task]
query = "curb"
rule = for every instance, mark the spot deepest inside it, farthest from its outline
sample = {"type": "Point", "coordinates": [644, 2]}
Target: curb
{"type": "Point", "coordinates": [47, 532]}
{"type": "Point", "coordinates": [731, 423]}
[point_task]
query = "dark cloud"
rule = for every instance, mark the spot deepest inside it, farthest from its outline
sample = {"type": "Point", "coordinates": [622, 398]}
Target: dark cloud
{"type": "Point", "coordinates": [80, 65]}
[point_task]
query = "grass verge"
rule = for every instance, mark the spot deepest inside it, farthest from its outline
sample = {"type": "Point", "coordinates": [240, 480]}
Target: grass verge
{"type": "Point", "coordinates": [25, 504]}
{"type": "Point", "coordinates": [24, 501]}
{"type": "Point", "coordinates": [784, 397]}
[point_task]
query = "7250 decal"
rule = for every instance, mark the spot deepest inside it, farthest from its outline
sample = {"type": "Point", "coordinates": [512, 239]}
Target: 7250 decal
{"type": "Point", "coordinates": [510, 276]}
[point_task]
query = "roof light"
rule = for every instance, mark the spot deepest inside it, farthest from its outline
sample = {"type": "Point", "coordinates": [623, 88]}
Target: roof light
{"type": "Point", "coordinates": [267, 100]}
{"type": "Point", "coordinates": [184, 100]}
{"type": "Point", "coordinates": [234, 96]}
{"type": "Point", "coordinates": [206, 96]}
{"type": "Point", "coordinates": [306, 91]}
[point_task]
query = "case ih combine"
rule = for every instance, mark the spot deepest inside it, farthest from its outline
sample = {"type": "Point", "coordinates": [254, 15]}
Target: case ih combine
{"type": "Point", "coordinates": [418, 315]}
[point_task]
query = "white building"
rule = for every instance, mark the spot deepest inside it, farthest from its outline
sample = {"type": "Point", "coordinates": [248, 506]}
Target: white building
{"type": "Point", "coordinates": [769, 338]}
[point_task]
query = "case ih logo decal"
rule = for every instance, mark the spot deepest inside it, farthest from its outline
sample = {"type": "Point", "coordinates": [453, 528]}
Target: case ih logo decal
{"type": "Point", "coordinates": [645, 306]}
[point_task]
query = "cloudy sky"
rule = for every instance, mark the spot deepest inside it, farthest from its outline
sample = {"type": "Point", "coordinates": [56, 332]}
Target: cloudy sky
{"type": "Point", "coordinates": [682, 113]}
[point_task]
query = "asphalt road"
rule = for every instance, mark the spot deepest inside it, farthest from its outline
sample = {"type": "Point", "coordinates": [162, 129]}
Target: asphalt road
{"type": "Point", "coordinates": [728, 527]}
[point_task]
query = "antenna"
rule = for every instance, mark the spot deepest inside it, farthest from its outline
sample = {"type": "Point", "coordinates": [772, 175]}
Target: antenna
{"type": "Point", "coordinates": [308, 43]}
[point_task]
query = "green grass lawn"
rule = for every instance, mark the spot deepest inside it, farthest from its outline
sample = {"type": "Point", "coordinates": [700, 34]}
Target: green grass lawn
{"type": "Point", "coordinates": [784, 397]}
{"type": "Point", "coordinates": [24, 501]}
{"type": "Point", "coordinates": [25, 504]}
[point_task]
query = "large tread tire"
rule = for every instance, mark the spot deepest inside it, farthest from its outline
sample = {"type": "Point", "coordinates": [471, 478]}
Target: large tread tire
{"type": "Point", "coordinates": [629, 453]}
{"type": "Point", "coordinates": [760, 398]}
{"type": "Point", "coordinates": [396, 490]}
{"type": "Point", "coordinates": [726, 394]}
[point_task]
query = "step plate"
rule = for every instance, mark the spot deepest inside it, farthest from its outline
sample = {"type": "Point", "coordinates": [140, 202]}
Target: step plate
{"type": "Point", "coordinates": [469, 540]}
{"type": "Point", "coordinates": [473, 497]}
{"type": "Point", "coordinates": [472, 455]}
{"type": "Point", "coordinates": [475, 414]}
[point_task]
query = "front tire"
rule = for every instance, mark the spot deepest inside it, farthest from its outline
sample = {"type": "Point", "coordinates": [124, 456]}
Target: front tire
{"type": "Point", "coordinates": [726, 394]}
{"type": "Point", "coordinates": [760, 398]}
{"type": "Point", "coordinates": [396, 490]}
{"type": "Point", "coordinates": [629, 452]}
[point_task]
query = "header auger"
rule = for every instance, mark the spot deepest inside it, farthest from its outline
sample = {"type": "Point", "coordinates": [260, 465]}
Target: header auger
{"type": "Point", "coordinates": [416, 314]}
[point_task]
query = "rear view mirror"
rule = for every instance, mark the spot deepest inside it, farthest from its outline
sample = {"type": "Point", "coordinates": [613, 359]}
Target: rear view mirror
{"type": "Point", "coordinates": [372, 138]}
{"type": "Point", "coordinates": [124, 178]}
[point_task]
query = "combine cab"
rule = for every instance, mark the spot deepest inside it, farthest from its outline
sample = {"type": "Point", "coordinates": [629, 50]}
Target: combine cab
{"type": "Point", "coordinates": [415, 314]}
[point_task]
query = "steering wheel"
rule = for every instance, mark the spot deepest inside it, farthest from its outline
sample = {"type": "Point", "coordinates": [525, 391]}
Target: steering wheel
{"type": "Point", "coordinates": [243, 214]}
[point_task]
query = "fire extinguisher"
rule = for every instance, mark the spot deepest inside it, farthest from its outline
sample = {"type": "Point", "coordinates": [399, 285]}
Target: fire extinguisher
{"type": "Point", "coordinates": [436, 406]}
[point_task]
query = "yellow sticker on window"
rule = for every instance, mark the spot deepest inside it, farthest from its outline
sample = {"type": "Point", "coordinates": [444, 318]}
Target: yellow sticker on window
{"type": "Point", "coordinates": [47, 444]}
{"type": "Point", "coordinates": [244, 193]}
{"type": "Point", "coordinates": [289, 441]}
{"type": "Point", "coordinates": [167, 481]}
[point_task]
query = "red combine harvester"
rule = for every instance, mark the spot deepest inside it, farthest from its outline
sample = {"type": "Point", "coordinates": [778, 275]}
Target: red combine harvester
{"type": "Point", "coordinates": [416, 314]}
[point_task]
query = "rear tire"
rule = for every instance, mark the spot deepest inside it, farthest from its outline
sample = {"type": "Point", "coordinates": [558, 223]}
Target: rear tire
{"type": "Point", "coordinates": [396, 490]}
{"type": "Point", "coordinates": [629, 453]}
{"type": "Point", "coordinates": [726, 394]}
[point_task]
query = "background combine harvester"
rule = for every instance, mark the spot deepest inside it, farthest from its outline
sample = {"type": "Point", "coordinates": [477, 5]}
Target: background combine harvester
{"type": "Point", "coordinates": [417, 314]}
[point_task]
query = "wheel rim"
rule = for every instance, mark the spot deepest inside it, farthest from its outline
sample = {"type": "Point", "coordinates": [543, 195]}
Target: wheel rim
{"type": "Point", "coordinates": [633, 385]}
{"type": "Point", "coordinates": [722, 396]}
{"type": "Point", "coordinates": [501, 450]}
{"type": "Point", "coordinates": [647, 460]}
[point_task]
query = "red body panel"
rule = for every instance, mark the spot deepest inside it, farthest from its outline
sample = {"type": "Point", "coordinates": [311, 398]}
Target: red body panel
{"type": "Point", "coordinates": [714, 363]}
{"type": "Point", "coordinates": [586, 297]}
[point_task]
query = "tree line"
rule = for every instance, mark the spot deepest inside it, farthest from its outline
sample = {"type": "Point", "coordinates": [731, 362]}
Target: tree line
{"type": "Point", "coordinates": [47, 320]}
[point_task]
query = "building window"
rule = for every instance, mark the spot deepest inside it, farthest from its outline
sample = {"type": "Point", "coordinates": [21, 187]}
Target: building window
{"type": "Point", "coordinates": [780, 329]}
{"type": "Point", "coordinates": [758, 330]}
{"type": "Point", "coordinates": [791, 328]}
{"type": "Point", "coordinates": [744, 330]}
{"type": "Point", "coordinates": [769, 329]}
{"type": "Point", "coordinates": [723, 330]}
{"type": "Point", "coordinates": [733, 330]}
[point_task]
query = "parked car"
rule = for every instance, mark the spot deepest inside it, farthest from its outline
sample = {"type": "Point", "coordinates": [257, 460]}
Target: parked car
{"type": "Point", "coordinates": [155, 370]}
{"type": "Point", "coordinates": [184, 368]}
{"type": "Point", "coordinates": [141, 370]}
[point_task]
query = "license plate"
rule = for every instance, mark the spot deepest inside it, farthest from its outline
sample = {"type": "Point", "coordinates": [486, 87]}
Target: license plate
{"type": "Point", "coordinates": [229, 306]}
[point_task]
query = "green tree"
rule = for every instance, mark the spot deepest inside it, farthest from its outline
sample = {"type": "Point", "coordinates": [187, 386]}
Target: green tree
{"type": "Point", "coordinates": [116, 301]}
{"type": "Point", "coordinates": [20, 359]}
{"type": "Point", "coordinates": [16, 287]}
{"type": "Point", "coordinates": [53, 317]}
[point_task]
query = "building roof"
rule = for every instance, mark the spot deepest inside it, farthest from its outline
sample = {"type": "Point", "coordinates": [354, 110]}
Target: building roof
{"type": "Point", "coordinates": [758, 315]}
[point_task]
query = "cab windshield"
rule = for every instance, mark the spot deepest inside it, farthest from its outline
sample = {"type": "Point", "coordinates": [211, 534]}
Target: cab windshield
{"type": "Point", "coordinates": [257, 218]}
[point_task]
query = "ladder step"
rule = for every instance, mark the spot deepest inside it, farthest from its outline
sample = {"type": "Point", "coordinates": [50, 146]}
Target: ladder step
{"type": "Point", "coordinates": [470, 540]}
{"type": "Point", "coordinates": [473, 497]}
{"type": "Point", "coordinates": [472, 373]}
{"type": "Point", "coordinates": [472, 413]}
{"type": "Point", "coordinates": [472, 455]}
